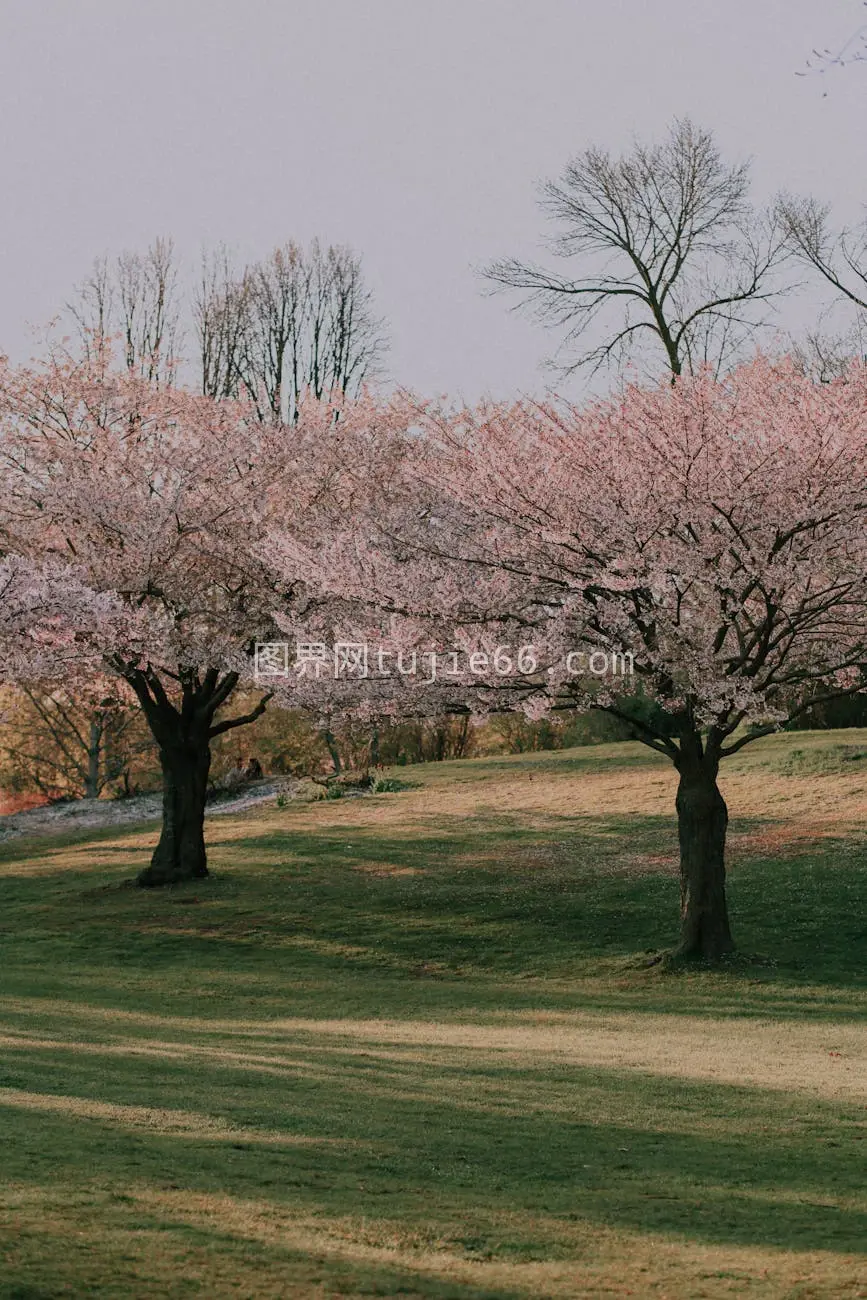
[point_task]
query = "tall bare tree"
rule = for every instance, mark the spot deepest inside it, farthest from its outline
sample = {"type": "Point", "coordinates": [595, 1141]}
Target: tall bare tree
{"type": "Point", "coordinates": [134, 296]}
{"type": "Point", "coordinates": [298, 320]}
{"type": "Point", "coordinates": [221, 314]}
{"type": "Point", "coordinates": [93, 307]}
{"type": "Point", "coordinates": [279, 319]}
{"type": "Point", "coordinates": [668, 250]}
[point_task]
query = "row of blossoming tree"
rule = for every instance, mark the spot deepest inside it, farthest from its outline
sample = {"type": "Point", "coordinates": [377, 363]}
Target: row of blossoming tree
{"type": "Point", "coordinates": [711, 533]}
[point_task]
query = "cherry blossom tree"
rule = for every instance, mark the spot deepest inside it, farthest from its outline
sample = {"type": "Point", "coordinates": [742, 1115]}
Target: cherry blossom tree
{"type": "Point", "coordinates": [713, 533]}
{"type": "Point", "coordinates": [166, 503]}
{"type": "Point", "coordinates": [47, 617]}
{"type": "Point", "coordinates": [709, 533]}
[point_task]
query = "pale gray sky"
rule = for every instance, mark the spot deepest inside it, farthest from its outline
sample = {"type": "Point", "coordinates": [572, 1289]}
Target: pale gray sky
{"type": "Point", "coordinates": [416, 130]}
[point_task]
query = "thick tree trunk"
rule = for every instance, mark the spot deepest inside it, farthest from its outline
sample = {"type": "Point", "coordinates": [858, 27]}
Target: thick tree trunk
{"type": "Point", "coordinates": [702, 818]}
{"type": "Point", "coordinates": [183, 732]}
{"type": "Point", "coordinates": [94, 753]}
{"type": "Point", "coordinates": [180, 853]}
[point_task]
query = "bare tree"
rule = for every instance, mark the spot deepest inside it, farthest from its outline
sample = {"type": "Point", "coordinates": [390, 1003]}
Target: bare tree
{"type": "Point", "coordinates": [135, 297]}
{"type": "Point", "coordinates": [825, 355]}
{"type": "Point", "coordinates": [221, 321]}
{"type": "Point", "coordinates": [839, 256]}
{"type": "Point", "coordinates": [299, 320]}
{"type": "Point", "coordinates": [61, 746]}
{"type": "Point", "coordinates": [274, 364]}
{"type": "Point", "coordinates": [670, 251]}
{"type": "Point", "coordinates": [354, 337]}
{"type": "Point", "coordinates": [93, 307]}
{"type": "Point", "coordinates": [147, 287]}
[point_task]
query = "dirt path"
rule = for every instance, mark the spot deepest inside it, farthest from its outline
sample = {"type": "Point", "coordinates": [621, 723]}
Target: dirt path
{"type": "Point", "coordinates": [57, 818]}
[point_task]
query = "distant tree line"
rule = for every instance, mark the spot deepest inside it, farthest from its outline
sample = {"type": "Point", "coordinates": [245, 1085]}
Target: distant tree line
{"type": "Point", "coordinates": [300, 320]}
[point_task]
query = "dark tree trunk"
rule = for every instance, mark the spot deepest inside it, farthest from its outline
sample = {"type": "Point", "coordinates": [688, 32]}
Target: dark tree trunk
{"type": "Point", "coordinates": [180, 853]}
{"type": "Point", "coordinates": [702, 818]}
{"type": "Point", "coordinates": [463, 741]}
{"type": "Point", "coordinates": [184, 731]}
{"type": "Point", "coordinates": [331, 746]}
{"type": "Point", "coordinates": [94, 753]}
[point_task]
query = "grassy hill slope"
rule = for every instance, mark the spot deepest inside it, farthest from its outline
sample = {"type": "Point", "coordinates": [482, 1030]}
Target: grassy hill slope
{"type": "Point", "coordinates": [408, 1045]}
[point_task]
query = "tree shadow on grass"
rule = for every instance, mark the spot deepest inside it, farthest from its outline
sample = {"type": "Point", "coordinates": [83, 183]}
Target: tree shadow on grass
{"type": "Point", "coordinates": [721, 1164]}
{"type": "Point", "coordinates": [157, 1254]}
{"type": "Point", "coordinates": [529, 901]}
{"type": "Point", "coordinates": [488, 913]}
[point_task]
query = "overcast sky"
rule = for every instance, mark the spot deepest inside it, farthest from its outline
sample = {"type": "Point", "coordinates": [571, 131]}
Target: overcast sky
{"type": "Point", "coordinates": [415, 130]}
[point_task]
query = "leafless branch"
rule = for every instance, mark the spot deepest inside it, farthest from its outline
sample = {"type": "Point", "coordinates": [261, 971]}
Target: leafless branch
{"type": "Point", "coordinates": [666, 241]}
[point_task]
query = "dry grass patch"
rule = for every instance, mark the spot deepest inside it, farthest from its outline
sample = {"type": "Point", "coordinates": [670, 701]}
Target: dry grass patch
{"type": "Point", "coordinates": [824, 1060]}
{"type": "Point", "coordinates": [821, 1060]}
{"type": "Point", "coordinates": [384, 869]}
{"type": "Point", "coordinates": [605, 1262]}
{"type": "Point", "coordinates": [159, 1120]}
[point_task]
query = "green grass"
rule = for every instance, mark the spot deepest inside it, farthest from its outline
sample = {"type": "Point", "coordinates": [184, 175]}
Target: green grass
{"type": "Point", "coordinates": [406, 1045]}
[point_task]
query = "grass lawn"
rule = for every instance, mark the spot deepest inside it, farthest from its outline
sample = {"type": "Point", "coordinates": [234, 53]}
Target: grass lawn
{"type": "Point", "coordinates": [406, 1046]}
